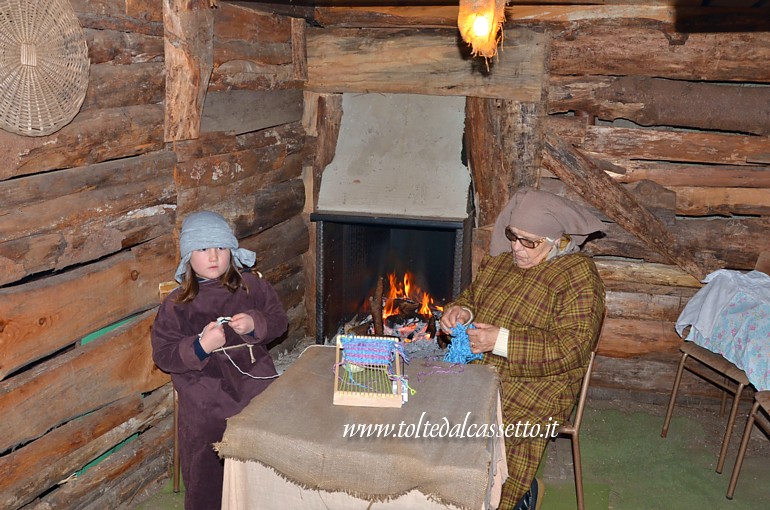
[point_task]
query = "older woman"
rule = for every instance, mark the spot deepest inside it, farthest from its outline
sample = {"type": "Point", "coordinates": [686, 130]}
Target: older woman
{"type": "Point", "coordinates": [537, 305]}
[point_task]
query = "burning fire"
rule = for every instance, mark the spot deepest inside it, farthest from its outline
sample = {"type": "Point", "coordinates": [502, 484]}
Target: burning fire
{"type": "Point", "coordinates": [405, 290]}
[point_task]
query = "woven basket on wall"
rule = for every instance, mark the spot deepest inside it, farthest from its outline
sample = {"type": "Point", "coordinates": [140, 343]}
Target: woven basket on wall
{"type": "Point", "coordinates": [43, 66]}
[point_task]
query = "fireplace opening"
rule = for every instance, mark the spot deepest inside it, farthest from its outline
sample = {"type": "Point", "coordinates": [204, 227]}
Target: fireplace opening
{"type": "Point", "coordinates": [355, 253]}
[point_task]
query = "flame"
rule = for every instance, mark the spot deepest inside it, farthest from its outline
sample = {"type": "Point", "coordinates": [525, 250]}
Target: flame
{"type": "Point", "coordinates": [404, 289]}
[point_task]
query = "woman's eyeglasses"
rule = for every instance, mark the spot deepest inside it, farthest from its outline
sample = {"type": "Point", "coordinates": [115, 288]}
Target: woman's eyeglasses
{"type": "Point", "coordinates": [527, 243]}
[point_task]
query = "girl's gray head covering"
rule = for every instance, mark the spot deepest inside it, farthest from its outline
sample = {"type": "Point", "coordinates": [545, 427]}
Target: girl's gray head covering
{"type": "Point", "coordinates": [206, 229]}
{"type": "Point", "coordinates": [543, 214]}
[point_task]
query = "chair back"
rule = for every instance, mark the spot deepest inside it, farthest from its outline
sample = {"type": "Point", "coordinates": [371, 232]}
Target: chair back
{"type": "Point", "coordinates": [584, 392]}
{"type": "Point", "coordinates": [165, 288]}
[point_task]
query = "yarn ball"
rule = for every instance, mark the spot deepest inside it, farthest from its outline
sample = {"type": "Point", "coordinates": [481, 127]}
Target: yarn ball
{"type": "Point", "coordinates": [459, 350]}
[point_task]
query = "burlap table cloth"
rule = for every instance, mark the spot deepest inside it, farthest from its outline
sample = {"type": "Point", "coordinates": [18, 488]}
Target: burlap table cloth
{"type": "Point", "coordinates": [294, 429]}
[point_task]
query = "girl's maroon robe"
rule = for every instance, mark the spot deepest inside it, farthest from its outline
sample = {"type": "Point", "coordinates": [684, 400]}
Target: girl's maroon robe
{"type": "Point", "coordinates": [212, 390]}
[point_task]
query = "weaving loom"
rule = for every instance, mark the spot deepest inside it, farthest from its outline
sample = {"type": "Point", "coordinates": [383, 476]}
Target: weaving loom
{"type": "Point", "coordinates": [368, 371]}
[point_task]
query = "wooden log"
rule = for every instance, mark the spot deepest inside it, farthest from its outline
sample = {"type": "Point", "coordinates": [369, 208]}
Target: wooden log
{"type": "Point", "coordinates": [246, 171]}
{"type": "Point", "coordinates": [423, 62]}
{"type": "Point", "coordinates": [36, 467]}
{"type": "Point", "coordinates": [653, 101]}
{"type": "Point", "coordinates": [747, 237]}
{"type": "Point", "coordinates": [644, 306]}
{"type": "Point", "coordinates": [279, 243]}
{"type": "Point", "coordinates": [653, 374]}
{"type": "Point", "coordinates": [615, 144]}
{"type": "Point", "coordinates": [606, 47]}
{"type": "Point", "coordinates": [120, 479]}
{"type": "Point", "coordinates": [291, 136]}
{"type": "Point", "coordinates": [33, 325]}
{"type": "Point", "coordinates": [93, 136]}
{"type": "Point", "coordinates": [139, 84]}
{"type": "Point", "coordinates": [289, 282]}
{"type": "Point", "coordinates": [624, 338]}
{"type": "Point", "coordinates": [242, 111]}
{"type": "Point", "coordinates": [188, 35]}
{"type": "Point", "coordinates": [115, 365]}
{"type": "Point", "coordinates": [683, 174]}
{"type": "Point", "coordinates": [249, 75]}
{"type": "Point", "coordinates": [58, 219]}
{"type": "Point", "coordinates": [124, 16]}
{"type": "Point", "coordinates": [121, 48]}
{"type": "Point", "coordinates": [243, 33]}
{"type": "Point", "coordinates": [600, 190]}
{"type": "Point", "coordinates": [251, 213]}
{"type": "Point", "coordinates": [696, 201]}
{"type": "Point", "coordinates": [612, 271]}
{"type": "Point", "coordinates": [687, 147]}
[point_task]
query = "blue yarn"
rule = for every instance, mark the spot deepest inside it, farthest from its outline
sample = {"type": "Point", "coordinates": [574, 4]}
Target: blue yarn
{"type": "Point", "coordinates": [460, 349]}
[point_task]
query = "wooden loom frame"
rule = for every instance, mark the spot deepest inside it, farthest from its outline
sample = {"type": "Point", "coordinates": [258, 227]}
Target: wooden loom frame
{"type": "Point", "coordinates": [347, 394]}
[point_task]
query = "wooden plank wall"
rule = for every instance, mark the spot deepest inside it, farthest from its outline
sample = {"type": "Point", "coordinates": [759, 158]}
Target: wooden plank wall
{"type": "Point", "coordinates": [672, 102]}
{"type": "Point", "coordinates": [88, 222]}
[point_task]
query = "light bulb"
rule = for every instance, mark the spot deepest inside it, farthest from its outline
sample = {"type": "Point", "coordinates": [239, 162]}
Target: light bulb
{"type": "Point", "coordinates": [481, 26]}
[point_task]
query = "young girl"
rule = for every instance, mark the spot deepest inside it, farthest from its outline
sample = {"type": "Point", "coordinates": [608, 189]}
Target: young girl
{"type": "Point", "coordinates": [214, 373]}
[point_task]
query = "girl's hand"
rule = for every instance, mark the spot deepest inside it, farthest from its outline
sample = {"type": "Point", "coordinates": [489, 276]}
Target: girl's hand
{"type": "Point", "coordinates": [213, 336]}
{"type": "Point", "coordinates": [242, 323]}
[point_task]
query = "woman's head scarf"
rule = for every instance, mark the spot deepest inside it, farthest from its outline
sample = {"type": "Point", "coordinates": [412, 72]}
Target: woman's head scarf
{"type": "Point", "coordinates": [206, 229]}
{"type": "Point", "coordinates": [544, 215]}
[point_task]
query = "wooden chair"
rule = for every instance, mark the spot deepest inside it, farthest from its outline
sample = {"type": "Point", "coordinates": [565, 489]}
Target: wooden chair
{"type": "Point", "coordinates": [164, 289]}
{"type": "Point", "coordinates": [761, 401]}
{"type": "Point", "coordinates": [717, 365]}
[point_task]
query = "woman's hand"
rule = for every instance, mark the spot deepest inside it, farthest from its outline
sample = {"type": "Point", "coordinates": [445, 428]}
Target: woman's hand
{"type": "Point", "coordinates": [452, 316]}
{"type": "Point", "coordinates": [242, 323]}
{"type": "Point", "coordinates": [213, 336]}
{"type": "Point", "coordinates": [483, 337]}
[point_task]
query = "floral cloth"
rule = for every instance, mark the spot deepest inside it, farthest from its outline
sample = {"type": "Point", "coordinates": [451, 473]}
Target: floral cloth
{"type": "Point", "coordinates": [731, 316]}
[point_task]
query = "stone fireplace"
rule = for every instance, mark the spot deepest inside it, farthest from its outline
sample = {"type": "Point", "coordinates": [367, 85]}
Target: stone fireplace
{"type": "Point", "coordinates": [396, 199]}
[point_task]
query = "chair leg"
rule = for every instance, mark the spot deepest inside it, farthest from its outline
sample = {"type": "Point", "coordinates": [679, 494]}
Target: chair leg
{"type": "Point", "coordinates": [729, 429]}
{"type": "Point", "coordinates": [175, 476]}
{"type": "Point", "coordinates": [742, 450]}
{"type": "Point", "coordinates": [674, 391]}
{"type": "Point", "coordinates": [723, 402]}
{"type": "Point", "coordinates": [578, 471]}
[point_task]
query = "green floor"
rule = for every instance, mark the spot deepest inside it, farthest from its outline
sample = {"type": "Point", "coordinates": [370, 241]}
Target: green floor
{"type": "Point", "coordinates": [628, 466]}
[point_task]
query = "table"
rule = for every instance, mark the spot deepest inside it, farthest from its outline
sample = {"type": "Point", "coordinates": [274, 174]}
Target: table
{"type": "Point", "coordinates": [288, 447]}
{"type": "Point", "coordinates": [731, 316]}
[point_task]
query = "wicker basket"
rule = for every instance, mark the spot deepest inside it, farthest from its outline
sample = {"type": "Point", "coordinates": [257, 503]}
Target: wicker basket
{"type": "Point", "coordinates": [43, 66]}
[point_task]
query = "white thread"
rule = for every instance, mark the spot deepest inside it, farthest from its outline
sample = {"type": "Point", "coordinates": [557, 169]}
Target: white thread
{"type": "Point", "coordinates": [224, 351]}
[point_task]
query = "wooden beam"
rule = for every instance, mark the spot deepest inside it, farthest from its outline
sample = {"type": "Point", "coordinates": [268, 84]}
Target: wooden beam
{"type": "Point", "coordinates": [426, 61]}
{"type": "Point", "coordinates": [600, 190]}
{"type": "Point", "coordinates": [188, 35]}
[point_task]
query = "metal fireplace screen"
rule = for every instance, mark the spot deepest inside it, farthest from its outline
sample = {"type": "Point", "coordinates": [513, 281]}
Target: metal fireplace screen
{"type": "Point", "coordinates": [354, 252]}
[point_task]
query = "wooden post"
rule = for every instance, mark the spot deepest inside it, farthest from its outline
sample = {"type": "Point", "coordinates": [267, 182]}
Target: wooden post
{"type": "Point", "coordinates": [188, 44]}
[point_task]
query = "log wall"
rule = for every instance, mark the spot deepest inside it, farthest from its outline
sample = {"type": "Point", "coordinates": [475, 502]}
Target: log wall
{"type": "Point", "coordinates": [663, 140]}
{"type": "Point", "coordinates": [89, 218]}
